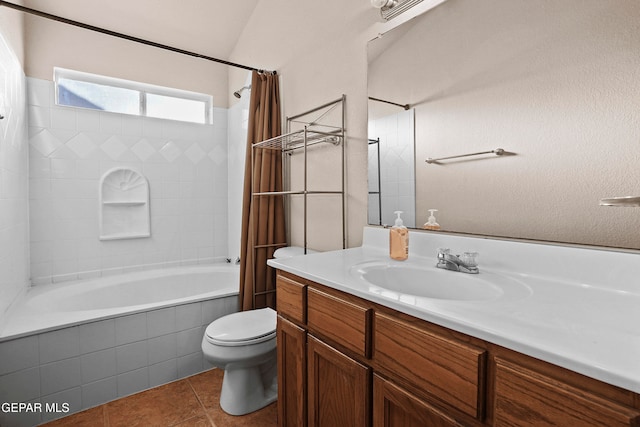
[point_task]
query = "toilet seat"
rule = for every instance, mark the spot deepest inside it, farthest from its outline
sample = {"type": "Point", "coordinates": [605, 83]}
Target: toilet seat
{"type": "Point", "coordinates": [242, 328]}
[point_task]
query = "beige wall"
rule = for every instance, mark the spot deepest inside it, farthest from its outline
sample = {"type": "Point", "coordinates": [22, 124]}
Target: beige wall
{"type": "Point", "coordinates": [52, 44]}
{"type": "Point", "coordinates": [319, 50]}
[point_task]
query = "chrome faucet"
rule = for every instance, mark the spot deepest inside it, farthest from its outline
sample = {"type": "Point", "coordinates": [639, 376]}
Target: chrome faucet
{"type": "Point", "coordinates": [465, 263]}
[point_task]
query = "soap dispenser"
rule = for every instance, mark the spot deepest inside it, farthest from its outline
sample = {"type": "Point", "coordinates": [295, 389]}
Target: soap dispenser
{"type": "Point", "coordinates": [431, 223]}
{"type": "Point", "coordinates": [399, 240]}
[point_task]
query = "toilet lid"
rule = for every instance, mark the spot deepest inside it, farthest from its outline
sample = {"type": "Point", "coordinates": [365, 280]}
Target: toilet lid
{"type": "Point", "coordinates": [244, 327]}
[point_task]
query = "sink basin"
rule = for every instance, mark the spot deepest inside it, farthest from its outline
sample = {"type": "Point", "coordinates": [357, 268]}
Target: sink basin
{"type": "Point", "coordinates": [435, 283]}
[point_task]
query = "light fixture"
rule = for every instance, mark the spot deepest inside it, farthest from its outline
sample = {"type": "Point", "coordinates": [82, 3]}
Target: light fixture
{"type": "Point", "coordinates": [379, 4]}
{"type": "Point", "coordinates": [392, 8]}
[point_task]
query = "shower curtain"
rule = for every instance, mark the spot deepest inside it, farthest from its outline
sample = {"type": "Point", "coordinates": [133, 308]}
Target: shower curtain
{"type": "Point", "coordinates": [263, 223]}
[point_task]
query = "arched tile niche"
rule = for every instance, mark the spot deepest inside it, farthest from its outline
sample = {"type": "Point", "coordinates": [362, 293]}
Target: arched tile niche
{"type": "Point", "coordinates": [124, 205]}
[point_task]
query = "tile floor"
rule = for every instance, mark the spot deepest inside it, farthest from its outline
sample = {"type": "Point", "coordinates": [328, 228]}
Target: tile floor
{"type": "Point", "coordinates": [192, 402]}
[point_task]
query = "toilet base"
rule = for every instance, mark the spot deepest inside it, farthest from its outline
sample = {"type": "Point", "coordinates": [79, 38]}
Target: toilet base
{"type": "Point", "coordinates": [244, 390]}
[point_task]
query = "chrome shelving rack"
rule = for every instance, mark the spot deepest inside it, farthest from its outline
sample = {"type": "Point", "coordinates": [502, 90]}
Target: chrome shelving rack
{"type": "Point", "coordinates": [313, 132]}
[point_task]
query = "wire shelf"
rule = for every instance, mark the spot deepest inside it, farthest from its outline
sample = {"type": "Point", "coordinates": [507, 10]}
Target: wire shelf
{"type": "Point", "coordinates": [295, 140]}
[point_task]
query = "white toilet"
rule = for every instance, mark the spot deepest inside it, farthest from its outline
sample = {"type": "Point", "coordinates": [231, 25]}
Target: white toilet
{"type": "Point", "coordinates": [244, 345]}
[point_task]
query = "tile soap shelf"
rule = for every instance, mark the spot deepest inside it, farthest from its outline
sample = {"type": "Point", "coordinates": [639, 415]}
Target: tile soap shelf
{"type": "Point", "coordinates": [124, 205]}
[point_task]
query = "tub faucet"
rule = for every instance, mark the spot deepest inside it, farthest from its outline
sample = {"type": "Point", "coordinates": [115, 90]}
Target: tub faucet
{"type": "Point", "coordinates": [465, 263]}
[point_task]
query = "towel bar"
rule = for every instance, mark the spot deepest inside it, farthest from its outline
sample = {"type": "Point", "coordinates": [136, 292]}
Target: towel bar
{"type": "Point", "coordinates": [497, 152]}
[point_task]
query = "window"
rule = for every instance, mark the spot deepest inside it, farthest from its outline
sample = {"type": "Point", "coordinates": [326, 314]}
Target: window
{"type": "Point", "coordinates": [84, 90]}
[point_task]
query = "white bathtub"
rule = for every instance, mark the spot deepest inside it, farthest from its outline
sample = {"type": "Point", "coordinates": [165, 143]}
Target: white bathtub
{"type": "Point", "coordinates": [87, 342]}
{"type": "Point", "coordinates": [47, 307]}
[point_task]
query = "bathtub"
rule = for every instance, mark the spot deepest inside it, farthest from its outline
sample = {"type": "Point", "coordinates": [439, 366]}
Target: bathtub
{"type": "Point", "coordinates": [87, 342]}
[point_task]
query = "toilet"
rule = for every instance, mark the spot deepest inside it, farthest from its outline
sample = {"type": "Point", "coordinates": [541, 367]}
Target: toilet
{"type": "Point", "coordinates": [243, 344]}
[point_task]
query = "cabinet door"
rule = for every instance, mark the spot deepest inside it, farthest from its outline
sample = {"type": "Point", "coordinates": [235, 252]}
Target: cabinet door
{"type": "Point", "coordinates": [292, 365]}
{"type": "Point", "coordinates": [338, 388]}
{"type": "Point", "coordinates": [525, 398]}
{"type": "Point", "coordinates": [395, 407]}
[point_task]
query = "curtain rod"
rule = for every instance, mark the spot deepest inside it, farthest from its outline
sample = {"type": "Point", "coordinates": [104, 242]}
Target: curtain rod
{"type": "Point", "coordinates": [405, 106]}
{"type": "Point", "coordinates": [122, 36]}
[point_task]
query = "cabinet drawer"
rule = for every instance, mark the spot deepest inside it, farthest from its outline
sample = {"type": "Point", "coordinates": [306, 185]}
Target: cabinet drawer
{"type": "Point", "coordinates": [346, 323]}
{"type": "Point", "coordinates": [451, 371]}
{"type": "Point", "coordinates": [291, 298]}
{"type": "Point", "coordinates": [524, 397]}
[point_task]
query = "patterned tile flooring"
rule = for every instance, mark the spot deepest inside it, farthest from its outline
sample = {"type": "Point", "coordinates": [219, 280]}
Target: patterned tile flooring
{"type": "Point", "coordinates": [190, 402]}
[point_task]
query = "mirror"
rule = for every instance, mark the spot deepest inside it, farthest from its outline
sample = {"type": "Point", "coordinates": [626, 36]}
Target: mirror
{"type": "Point", "coordinates": [554, 84]}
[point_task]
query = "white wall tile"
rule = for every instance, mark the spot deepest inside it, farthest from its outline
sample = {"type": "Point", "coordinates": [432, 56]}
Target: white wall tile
{"type": "Point", "coordinates": [97, 336]}
{"type": "Point", "coordinates": [110, 123]}
{"type": "Point", "coordinates": [131, 328]}
{"type": "Point", "coordinates": [190, 364]}
{"type": "Point", "coordinates": [71, 397]}
{"type": "Point", "coordinates": [162, 348]}
{"type": "Point", "coordinates": [60, 375]}
{"type": "Point", "coordinates": [20, 386]}
{"type": "Point", "coordinates": [21, 419]}
{"type": "Point", "coordinates": [18, 354]}
{"type": "Point", "coordinates": [98, 365]}
{"type": "Point", "coordinates": [75, 146]}
{"type": "Point", "coordinates": [189, 341]}
{"type": "Point", "coordinates": [162, 373]}
{"type": "Point", "coordinates": [132, 356]}
{"type": "Point", "coordinates": [188, 316]}
{"type": "Point", "coordinates": [99, 392]}
{"type": "Point", "coordinates": [88, 120]}
{"type": "Point", "coordinates": [38, 92]}
{"type": "Point", "coordinates": [63, 118]}
{"type": "Point", "coordinates": [60, 344]}
{"type": "Point", "coordinates": [133, 382]}
{"type": "Point", "coordinates": [161, 322]}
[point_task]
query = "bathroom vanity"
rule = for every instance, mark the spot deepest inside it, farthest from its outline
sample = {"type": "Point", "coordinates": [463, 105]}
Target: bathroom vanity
{"type": "Point", "coordinates": [352, 353]}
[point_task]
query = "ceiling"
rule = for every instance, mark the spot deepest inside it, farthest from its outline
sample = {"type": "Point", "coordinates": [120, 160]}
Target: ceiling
{"type": "Point", "coordinates": [208, 27]}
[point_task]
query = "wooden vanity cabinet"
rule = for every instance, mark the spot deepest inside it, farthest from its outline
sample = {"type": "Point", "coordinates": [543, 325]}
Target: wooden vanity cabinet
{"type": "Point", "coordinates": [345, 361]}
{"type": "Point", "coordinates": [524, 397]}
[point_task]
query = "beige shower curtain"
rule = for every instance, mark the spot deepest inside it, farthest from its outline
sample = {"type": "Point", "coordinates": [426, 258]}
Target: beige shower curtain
{"type": "Point", "coordinates": [263, 224]}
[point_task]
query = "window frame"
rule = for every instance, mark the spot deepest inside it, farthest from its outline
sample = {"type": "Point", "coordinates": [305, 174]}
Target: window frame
{"type": "Point", "coordinates": [142, 88]}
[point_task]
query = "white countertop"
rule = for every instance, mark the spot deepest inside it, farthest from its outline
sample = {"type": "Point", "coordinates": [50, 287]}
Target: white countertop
{"type": "Point", "coordinates": [582, 311]}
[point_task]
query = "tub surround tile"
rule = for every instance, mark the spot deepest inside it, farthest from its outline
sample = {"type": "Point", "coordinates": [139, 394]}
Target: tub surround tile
{"type": "Point", "coordinates": [21, 386]}
{"type": "Point", "coordinates": [98, 392]}
{"type": "Point", "coordinates": [163, 372]}
{"type": "Point", "coordinates": [177, 155]}
{"type": "Point", "coordinates": [72, 398]}
{"type": "Point", "coordinates": [190, 364]}
{"type": "Point", "coordinates": [97, 336]}
{"type": "Point", "coordinates": [161, 322]}
{"type": "Point", "coordinates": [162, 348]}
{"type": "Point", "coordinates": [98, 365]}
{"type": "Point", "coordinates": [131, 328]}
{"type": "Point", "coordinates": [132, 356]}
{"type": "Point", "coordinates": [60, 344]}
{"type": "Point", "coordinates": [19, 354]}
{"type": "Point", "coordinates": [77, 364]}
{"type": "Point", "coordinates": [61, 375]}
{"type": "Point", "coordinates": [133, 382]}
{"type": "Point", "coordinates": [22, 419]}
{"type": "Point", "coordinates": [189, 341]}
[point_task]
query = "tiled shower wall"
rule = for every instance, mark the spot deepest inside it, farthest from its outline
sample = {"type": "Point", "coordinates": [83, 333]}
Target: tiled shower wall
{"type": "Point", "coordinates": [14, 179]}
{"type": "Point", "coordinates": [71, 148]}
{"type": "Point", "coordinates": [397, 168]}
